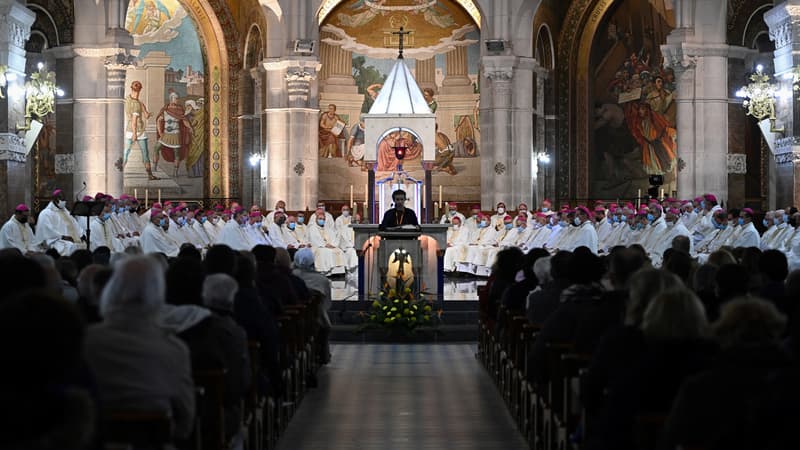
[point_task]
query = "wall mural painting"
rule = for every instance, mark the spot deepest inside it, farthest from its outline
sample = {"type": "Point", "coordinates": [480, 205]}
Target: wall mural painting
{"type": "Point", "coordinates": [364, 28]}
{"type": "Point", "coordinates": [634, 103]}
{"type": "Point", "coordinates": [165, 107]}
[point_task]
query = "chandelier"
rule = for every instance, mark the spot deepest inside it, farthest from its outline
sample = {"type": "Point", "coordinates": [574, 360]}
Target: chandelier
{"type": "Point", "coordinates": [40, 94]}
{"type": "Point", "coordinates": [759, 97]}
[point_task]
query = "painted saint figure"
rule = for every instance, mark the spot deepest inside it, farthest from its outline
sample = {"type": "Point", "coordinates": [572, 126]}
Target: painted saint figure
{"type": "Point", "coordinates": [330, 127]}
{"type": "Point", "coordinates": [655, 137]}
{"type": "Point", "coordinates": [444, 153]}
{"type": "Point", "coordinates": [136, 117]}
{"type": "Point", "coordinates": [174, 132]}
{"type": "Point", "coordinates": [355, 145]}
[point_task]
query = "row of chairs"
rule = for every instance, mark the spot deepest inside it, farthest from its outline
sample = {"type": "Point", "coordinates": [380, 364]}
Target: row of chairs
{"type": "Point", "coordinates": [264, 417]}
{"type": "Point", "coordinates": [548, 413]}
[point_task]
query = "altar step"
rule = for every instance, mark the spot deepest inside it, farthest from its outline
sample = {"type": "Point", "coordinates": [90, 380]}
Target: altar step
{"type": "Point", "coordinates": [459, 323]}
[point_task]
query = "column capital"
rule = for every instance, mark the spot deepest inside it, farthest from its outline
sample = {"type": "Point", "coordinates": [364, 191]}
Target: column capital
{"type": "Point", "coordinates": [499, 68]}
{"type": "Point", "coordinates": [15, 29]}
{"type": "Point", "coordinates": [782, 21]}
{"type": "Point", "coordinates": [12, 148]}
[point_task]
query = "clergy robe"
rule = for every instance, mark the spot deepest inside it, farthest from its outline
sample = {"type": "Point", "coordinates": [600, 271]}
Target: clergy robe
{"type": "Point", "coordinates": [292, 238]}
{"type": "Point", "coordinates": [325, 259]}
{"type": "Point", "coordinates": [201, 231]}
{"type": "Point", "coordinates": [747, 236]}
{"type": "Point", "coordinates": [483, 240]}
{"type": "Point", "coordinates": [448, 218]}
{"type": "Point", "coordinates": [457, 242]}
{"type": "Point", "coordinates": [256, 234]}
{"type": "Point", "coordinates": [652, 234]}
{"type": "Point", "coordinates": [346, 239]}
{"type": "Point", "coordinates": [584, 235]}
{"type": "Point", "coordinates": [235, 237]}
{"type": "Point", "coordinates": [791, 239]}
{"type": "Point", "coordinates": [604, 230]}
{"type": "Point", "coordinates": [704, 224]}
{"type": "Point", "coordinates": [276, 235]}
{"type": "Point", "coordinates": [555, 234]}
{"type": "Point", "coordinates": [657, 253]}
{"type": "Point", "coordinates": [54, 223]}
{"type": "Point", "coordinates": [155, 240]}
{"type": "Point", "coordinates": [102, 234]}
{"type": "Point", "coordinates": [15, 234]}
{"type": "Point", "coordinates": [177, 233]}
{"type": "Point", "coordinates": [768, 237]}
{"type": "Point", "coordinates": [539, 236]}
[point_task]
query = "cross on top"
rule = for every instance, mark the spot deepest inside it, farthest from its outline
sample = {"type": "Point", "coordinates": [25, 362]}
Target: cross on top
{"type": "Point", "coordinates": [402, 34]}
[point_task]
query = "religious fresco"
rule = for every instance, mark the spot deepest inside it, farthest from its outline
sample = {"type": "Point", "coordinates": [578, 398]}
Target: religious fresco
{"type": "Point", "coordinates": [165, 105]}
{"type": "Point", "coordinates": [365, 29]}
{"type": "Point", "coordinates": [633, 120]}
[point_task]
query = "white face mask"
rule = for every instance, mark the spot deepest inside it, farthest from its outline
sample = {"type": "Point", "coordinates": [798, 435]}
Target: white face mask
{"type": "Point", "coordinates": [456, 226]}
{"type": "Point", "coordinates": [62, 204]}
{"type": "Point", "coordinates": [501, 210]}
{"type": "Point", "coordinates": [346, 213]}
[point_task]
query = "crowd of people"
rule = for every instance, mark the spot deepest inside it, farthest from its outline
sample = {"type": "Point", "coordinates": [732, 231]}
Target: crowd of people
{"type": "Point", "coordinates": [709, 346]}
{"type": "Point", "coordinates": [699, 227]}
{"type": "Point", "coordinates": [94, 333]}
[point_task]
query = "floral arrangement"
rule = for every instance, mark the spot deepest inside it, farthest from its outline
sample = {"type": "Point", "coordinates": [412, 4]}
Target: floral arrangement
{"type": "Point", "coordinates": [398, 310]}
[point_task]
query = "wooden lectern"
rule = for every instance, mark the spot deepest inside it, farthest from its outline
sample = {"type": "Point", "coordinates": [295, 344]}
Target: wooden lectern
{"type": "Point", "coordinates": [385, 257]}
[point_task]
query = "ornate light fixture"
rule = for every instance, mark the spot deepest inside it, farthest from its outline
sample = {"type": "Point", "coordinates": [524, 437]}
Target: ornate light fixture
{"type": "Point", "coordinates": [759, 97]}
{"type": "Point", "coordinates": [40, 95]}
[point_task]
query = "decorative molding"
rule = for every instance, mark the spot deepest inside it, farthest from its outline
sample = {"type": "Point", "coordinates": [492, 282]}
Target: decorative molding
{"type": "Point", "coordinates": [782, 20]}
{"type": "Point", "coordinates": [499, 168]}
{"type": "Point", "coordinates": [299, 169]}
{"type": "Point", "coordinates": [100, 52]}
{"type": "Point", "coordinates": [737, 163]}
{"type": "Point", "coordinates": [498, 68]}
{"type": "Point", "coordinates": [787, 142]}
{"type": "Point", "coordinates": [12, 148]}
{"type": "Point", "coordinates": [65, 163]}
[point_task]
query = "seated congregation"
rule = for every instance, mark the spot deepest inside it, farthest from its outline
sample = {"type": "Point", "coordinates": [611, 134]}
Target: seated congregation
{"type": "Point", "coordinates": [608, 352]}
{"type": "Point", "coordinates": [128, 350]}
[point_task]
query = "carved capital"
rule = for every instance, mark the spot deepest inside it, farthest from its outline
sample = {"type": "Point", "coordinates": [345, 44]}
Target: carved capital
{"type": "Point", "coordinates": [783, 159]}
{"type": "Point", "coordinates": [12, 148]}
{"type": "Point", "coordinates": [498, 68]}
{"type": "Point", "coordinates": [783, 22]}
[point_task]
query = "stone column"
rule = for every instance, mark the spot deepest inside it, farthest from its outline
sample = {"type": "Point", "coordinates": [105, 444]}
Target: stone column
{"type": "Point", "coordinates": [115, 124]}
{"type": "Point", "coordinates": [15, 27]}
{"type": "Point", "coordinates": [425, 73]}
{"type": "Point", "coordinates": [291, 127]}
{"type": "Point", "coordinates": [522, 134]}
{"type": "Point", "coordinates": [456, 80]}
{"type": "Point", "coordinates": [784, 29]}
{"type": "Point", "coordinates": [337, 68]}
{"type": "Point", "coordinates": [496, 158]}
{"type": "Point", "coordinates": [701, 72]}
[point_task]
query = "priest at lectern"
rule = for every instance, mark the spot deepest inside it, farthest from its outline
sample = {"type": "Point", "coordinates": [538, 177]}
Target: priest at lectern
{"type": "Point", "coordinates": [399, 216]}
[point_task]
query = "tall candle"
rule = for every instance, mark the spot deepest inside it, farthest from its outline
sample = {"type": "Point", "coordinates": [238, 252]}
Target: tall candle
{"type": "Point", "coordinates": [135, 193]}
{"type": "Point", "coordinates": [662, 193]}
{"type": "Point", "coordinates": [146, 199]}
{"type": "Point", "coordinates": [423, 199]}
{"type": "Point", "coordinates": [351, 196]}
{"type": "Point", "coordinates": [435, 210]}
{"type": "Point", "coordinates": [440, 194]}
{"type": "Point", "coordinates": [159, 196]}
{"type": "Point", "coordinates": [366, 193]}
{"type": "Point", "coordinates": [638, 198]}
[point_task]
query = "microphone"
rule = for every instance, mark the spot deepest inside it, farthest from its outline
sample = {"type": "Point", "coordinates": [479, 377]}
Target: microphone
{"type": "Point", "coordinates": [78, 194]}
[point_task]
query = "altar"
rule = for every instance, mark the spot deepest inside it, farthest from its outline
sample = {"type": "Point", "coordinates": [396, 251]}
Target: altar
{"type": "Point", "coordinates": [407, 258]}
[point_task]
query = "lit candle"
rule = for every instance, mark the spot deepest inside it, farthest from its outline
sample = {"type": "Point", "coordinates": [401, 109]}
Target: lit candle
{"type": "Point", "coordinates": [364, 210]}
{"type": "Point", "coordinates": [638, 198]}
{"type": "Point", "coordinates": [440, 194]}
{"type": "Point", "coordinates": [435, 210]}
{"type": "Point", "coordinates": [366, 193]}
{"type": "Point", "coordinates": [159, 196]}
{"type": "Point", "coordinates": [423, 199]}
{"type": "Point", "coordinates": [146, 199]}
{"type": "Point", "coordinates": [351, 195]}
{"type": "Point", "coordinates": [662, 193]}
{"type": "Point", "coordinates": [135, 193]}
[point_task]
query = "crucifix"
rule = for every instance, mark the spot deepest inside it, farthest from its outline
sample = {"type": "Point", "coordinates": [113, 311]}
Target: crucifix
{"type": "Point", "coordinates": [401, 33]}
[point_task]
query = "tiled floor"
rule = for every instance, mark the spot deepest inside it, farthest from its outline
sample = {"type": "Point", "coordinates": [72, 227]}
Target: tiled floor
{"type": "Point", "coordinates": [403, 397]}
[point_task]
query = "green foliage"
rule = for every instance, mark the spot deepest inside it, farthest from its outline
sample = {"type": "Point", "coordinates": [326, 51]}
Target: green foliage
{"type": "Point", "coordinates": [400, 312]}
{"type": "Point", "coordinates": [365, 76]}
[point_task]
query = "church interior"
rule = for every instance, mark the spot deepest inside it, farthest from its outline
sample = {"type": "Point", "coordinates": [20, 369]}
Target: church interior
{"type": "Point", "coordinates": [291, 224]}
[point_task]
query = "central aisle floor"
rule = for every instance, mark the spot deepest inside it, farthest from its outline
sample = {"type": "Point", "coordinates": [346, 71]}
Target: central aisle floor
{"type": "Point", "coordinates": [417, 396]}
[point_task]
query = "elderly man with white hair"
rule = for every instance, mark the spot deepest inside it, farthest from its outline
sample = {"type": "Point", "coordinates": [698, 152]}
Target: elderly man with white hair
{"type": "Point", "coordinates": [136, 364]}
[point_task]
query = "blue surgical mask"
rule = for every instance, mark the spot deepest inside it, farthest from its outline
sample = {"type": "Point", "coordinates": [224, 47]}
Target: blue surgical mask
{"type": "Point", "coordinates": [520, 229]}
{"type": "Point", "coordinates": [563, 223]}
{"type": "Point", "coordinates": [651, 217]}
{"type": "Point", "coordinates": [697, 210]}
{"type": "Point", "coordinates": [509, 226]}
{"type": "Point", "coordinates": [576, 221]}
{"type": "Point", "coordinates": [181, 221]}
{"type": "Point", "coordinates": [301, 220]}
{"type": "Point", "coordinates": [544, 210]}
{"type": "Point", "coordinates": [549, 226]}
{"type": "Point", "coordinates": [321, 222]}
{"type": "Point", "coordinates": [741, 221]}
{"type": "Point", "coordinates": [162, 222]}
{"type": "Point", "coordinates": [291, 226]}
{"type": "Point", "coordinates": [765, 223]}
{"type": "Point", "coordinates": [203, 219]}
{"type": "Point", "coordinates": [720, 226]}
{"type": "Point", "coordinates": [785, 218]}
{"type": "Point", "coordinates": [702, 205]}
{"type": "Point", "coordinates": [482, 224]}
{"type": "Point", "coordinates": [639, 225]}
{"type": "Point", "coordinates": [623, 218]}
{"type": "Point", "coordinates": [106, 216]}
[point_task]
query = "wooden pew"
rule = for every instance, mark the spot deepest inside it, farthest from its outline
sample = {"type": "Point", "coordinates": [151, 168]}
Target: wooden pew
{"type": "Point", "coordinates": [212, 409]}
{"type": "Point", "coordinates": [131, 429]}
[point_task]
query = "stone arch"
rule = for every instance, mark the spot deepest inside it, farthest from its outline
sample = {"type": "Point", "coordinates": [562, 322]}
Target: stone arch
{"type": "Point", "coordinates": [471, 6]}
{"type": "Point", "coordinates": [575, 44]}
{"type": "Point", "coordinates": [545, 51]}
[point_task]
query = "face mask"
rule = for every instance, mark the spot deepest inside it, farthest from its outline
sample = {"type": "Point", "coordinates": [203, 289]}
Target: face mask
{"type": "Point", "coordinates": [576, 221]}
{"type": "Point", "coordinates": [181, 221]}
{"type": "Point", "coordinates": [563, 223]}
{"type": "Point", "coordinates": [720, 226]}
{"type": "Point", "coordinates": [651, 217]}
{"type": "Point", "coordinates": [765, 223]}
{"type": "Point", "coordinates": [346, 213]}
{"type": "Point", "coordinates": [501, 210]}
{"type": "Point", "coordinates": [785, 219]}
{"type": "Point", "coordinates": [452, 212]}
{"type": "Point", "coordinates": [62, 204]}
{"type": "Point", "coordinates": [622, 218]}
{"type": "Point", "coordinates": [162, 222]}
{"type": "Point", "coordinates": [697, 210]}
{"type": "Point", "coordinates": [741, 221]}
{"type": "Point", "coordinates": [202, 220]}
{"type": "Point", "coordinates": [321, 222]}
{"type": "Point", "coordinates": [520, 229]}
{"type": "Point", "coordinates": [291, 226]}
{"type": "Point", "coordinates": [509, 226]}
{"type": "Point", "coordinates": [702, 205]}
{"type": "Point", "coordinates": [483, 224]}
{"type": "Point", "coordinates": [670, 224]}
{"type": "Point", "coordinates": [639, 225]}
{"type": "Point", "coordinates": [456, 226]}
{"type": "Point", "coordinates": [549, 227]}
{"type": "Point", "coordinates": [106, 216]}
{"type": "Point", "coordinates": [301, 220]}
{"type": "Point", "coordinates": [544, 210]}
{"type": "Point", "coordinates": [322, 207]}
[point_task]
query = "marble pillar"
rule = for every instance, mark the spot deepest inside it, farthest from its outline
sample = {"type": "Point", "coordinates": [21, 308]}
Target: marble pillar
{"type": "Point", "coordinates": [701, 72]}
{"type": "Point", "coordinates": [291, 126]}
{"type": "Point", "coordinates": [784, 29]}
{"type": "Point", "coordinates": [15, 29]}
{"type": "Point", "coordinates": [456, 79]}
{"type": "Point", "coordinates": [115, 125]}
{"type": "Point", "coordinates": [496, 153]}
